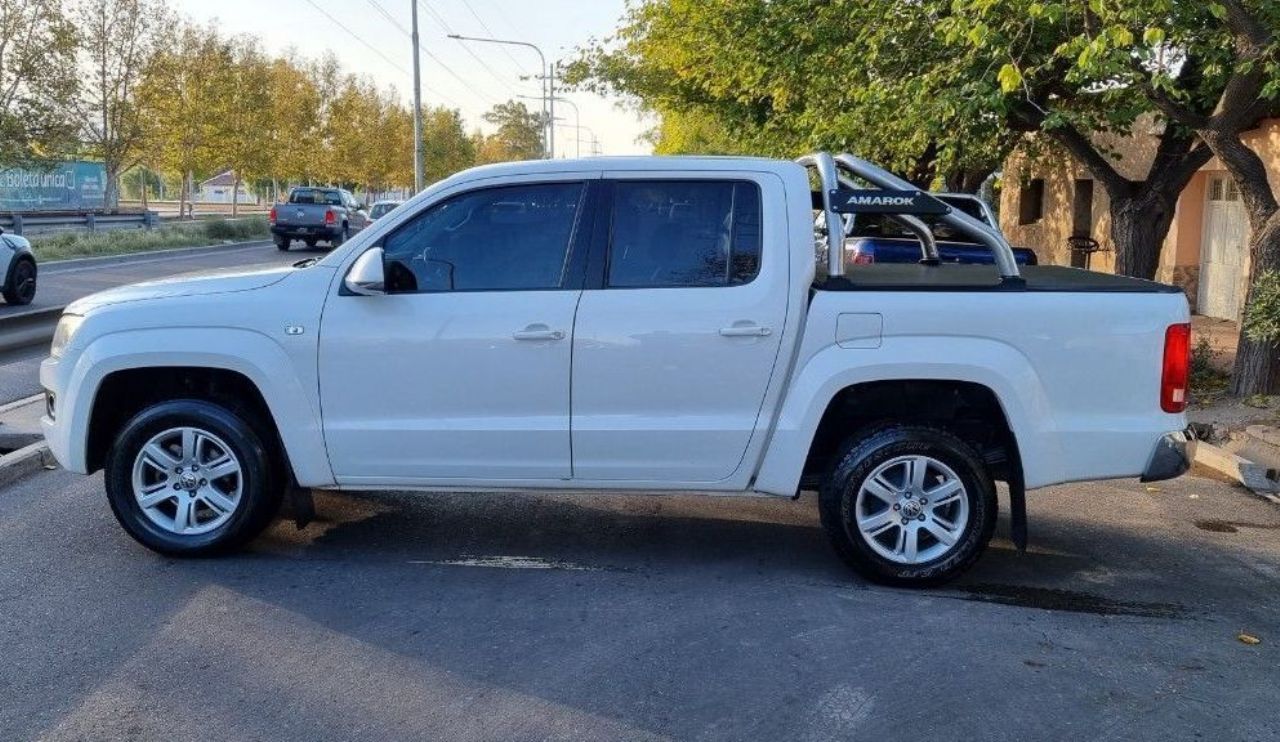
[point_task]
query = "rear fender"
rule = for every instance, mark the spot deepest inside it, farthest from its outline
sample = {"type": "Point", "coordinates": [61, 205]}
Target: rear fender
{"type": "Point", "coordinates": [992, 364]}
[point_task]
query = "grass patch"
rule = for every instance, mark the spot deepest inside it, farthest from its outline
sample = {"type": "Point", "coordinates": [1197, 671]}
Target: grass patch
{"type": "Point", "coordinates": [122, 241]}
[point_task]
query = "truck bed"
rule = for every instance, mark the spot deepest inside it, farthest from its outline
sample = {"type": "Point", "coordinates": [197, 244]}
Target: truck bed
{"type": "Point", "coordinates": [916, 277]}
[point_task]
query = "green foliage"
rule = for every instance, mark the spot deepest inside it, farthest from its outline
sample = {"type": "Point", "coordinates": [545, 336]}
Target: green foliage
{"type": "Point", "coordinates": [1207, 380]}
{"type": "Point", "coordinates": [519, 134]}
{"type": "Point", "coordinates": [39, 82]}
{"type": "Point", "coordinates": [65, 245]}
{"type": "Point", "coordinates": [1262, 315]}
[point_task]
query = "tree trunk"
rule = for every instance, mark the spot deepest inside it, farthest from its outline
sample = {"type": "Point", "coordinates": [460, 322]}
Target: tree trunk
{"type": "Point", "coordinates": [1138, 228]}
{"type": "Point", "coordinates": [111, 189]}
{"type": "Point", "coordinates": [144, 188]}
{"type": "Point", "coordinates": [1255, 370]}
{"type": "Point", "coordinates": [235, 197]}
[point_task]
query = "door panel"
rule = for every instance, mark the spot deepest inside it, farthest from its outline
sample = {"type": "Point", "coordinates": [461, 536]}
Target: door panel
{"type": "Point", "coordinates": [1222, 251]}
{"type": "Point", "coordinates": [668, 379]}
{"type": "Point", "coordinates": [461, 372]}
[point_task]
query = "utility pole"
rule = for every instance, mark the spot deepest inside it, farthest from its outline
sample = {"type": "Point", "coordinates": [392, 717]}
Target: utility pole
{"type": "Point", "coordinates": [417, 106]}
{"type": "Point", "coordinates": [551, 100]}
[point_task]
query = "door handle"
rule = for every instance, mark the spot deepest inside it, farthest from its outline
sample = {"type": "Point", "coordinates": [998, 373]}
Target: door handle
{"type": "Point", "coordinates": [539, 332]}
{"type": "Point", "coordinates": [747, 330]}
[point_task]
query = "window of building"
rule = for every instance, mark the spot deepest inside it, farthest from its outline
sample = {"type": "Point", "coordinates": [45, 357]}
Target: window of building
{"type": "Point", "coordinates": [1031, 201]}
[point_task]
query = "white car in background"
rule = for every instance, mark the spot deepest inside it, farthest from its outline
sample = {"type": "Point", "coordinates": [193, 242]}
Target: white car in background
{"type": "Point", "coordinates": [19, 265]}
{"type": "Point", "coordinates": [381, 209]}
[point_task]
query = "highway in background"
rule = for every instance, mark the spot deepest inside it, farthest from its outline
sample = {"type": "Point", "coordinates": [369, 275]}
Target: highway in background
{"type": "Point", "coordinates": [62, 282]}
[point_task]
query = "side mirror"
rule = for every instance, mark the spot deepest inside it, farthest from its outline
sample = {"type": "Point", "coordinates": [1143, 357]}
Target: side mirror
{"type": "Point", "coordinates": [367, 276]}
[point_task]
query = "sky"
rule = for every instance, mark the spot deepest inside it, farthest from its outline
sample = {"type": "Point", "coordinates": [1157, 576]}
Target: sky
{"type": "Point", "coordinates": [468, 76]}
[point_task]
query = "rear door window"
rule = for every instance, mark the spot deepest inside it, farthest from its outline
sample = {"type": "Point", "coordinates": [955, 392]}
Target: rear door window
{"type": "Point", "coordinates": [673, 233]}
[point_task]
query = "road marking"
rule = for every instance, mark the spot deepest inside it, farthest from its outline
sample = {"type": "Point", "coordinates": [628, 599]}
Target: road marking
{"type": "Point", "coordinates": [508, 562]}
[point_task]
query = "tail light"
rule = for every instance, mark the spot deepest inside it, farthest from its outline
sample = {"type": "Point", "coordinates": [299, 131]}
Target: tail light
{"type": "Point", "coordinates": [863, 258]}
{"type": "Point", "coordinates": [271, 216]}
{"type": "Point", "coordinates": [1177, 368]}
{"type": "Point", "coordinates": [330, 217]}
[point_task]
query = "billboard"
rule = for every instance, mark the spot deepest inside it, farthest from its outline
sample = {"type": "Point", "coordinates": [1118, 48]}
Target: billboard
{"type": "Point", "coordinates": [63, 186]}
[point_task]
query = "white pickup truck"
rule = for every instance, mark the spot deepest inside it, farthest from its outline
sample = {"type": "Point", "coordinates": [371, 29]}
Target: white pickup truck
{"type": "Point", "coordinates": [643, 324]}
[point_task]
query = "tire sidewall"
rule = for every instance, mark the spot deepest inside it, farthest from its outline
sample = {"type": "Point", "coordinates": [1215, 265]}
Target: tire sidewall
{"type": "Point", "coordinates": [11, 286]}
{"type": "Point", "coordinates": [864, 455]}
{"type": "Point", "coordinates": [258, 497]}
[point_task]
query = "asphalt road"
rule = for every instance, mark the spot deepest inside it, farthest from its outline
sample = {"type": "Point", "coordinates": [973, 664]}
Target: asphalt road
{"type": "Point", "coordinates": [482, 617]}
{"type": "Point", "coordinates": [65, 281]}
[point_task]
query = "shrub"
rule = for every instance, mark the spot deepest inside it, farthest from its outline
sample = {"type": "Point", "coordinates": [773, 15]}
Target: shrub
{"type": "Point", "coordinates": [1262, 316]}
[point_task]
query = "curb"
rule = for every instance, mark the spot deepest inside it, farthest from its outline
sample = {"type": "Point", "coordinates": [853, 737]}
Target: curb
{"type": "Point", "coordinates": [1261, 480]}
{"type": "Point", "coordinates": [28, 460]}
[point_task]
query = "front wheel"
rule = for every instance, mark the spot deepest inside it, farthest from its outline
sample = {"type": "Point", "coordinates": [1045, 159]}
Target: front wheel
{"type": "Point", "coordinates": [189, 478]}
{"type": "Point", "coordinates": [908, 505]}
{"type": "Point", "coordinates": [21, 288]}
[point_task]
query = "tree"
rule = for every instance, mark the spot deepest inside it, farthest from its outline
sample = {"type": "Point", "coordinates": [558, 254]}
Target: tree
{"type": "Point", "coordinates": [940, 90]}
{"type": "Point", "coordinates": [38, 81]}
{"type": "Point", "coordinates": [117, 41]}
{"type": "Point", "coordinates": [243, 114]}
{"type": "Point", "coordinates": [182, 86]}
{"type": "Point", "coordinates": [446, 146]}
{"type": "Point", "coordinates": [518, 135]}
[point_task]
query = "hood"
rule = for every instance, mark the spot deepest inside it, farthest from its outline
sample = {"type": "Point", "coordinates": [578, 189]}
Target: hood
{"type": "Point", "coordinates": [223, 281]}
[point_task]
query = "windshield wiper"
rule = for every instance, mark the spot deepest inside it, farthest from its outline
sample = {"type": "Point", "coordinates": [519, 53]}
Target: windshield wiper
{"type": "Point", "coordinates": [306, 262]}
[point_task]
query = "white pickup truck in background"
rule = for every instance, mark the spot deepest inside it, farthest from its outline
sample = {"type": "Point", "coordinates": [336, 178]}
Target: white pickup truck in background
{"type": "Point", "coordinates": [648, 324]}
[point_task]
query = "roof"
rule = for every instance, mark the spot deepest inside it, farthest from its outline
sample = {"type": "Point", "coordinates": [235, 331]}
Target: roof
{"type": "Point", "coordinates": [225, 178]}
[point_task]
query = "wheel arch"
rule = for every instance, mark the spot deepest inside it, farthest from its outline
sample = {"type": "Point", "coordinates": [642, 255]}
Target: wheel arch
{"type": "Point", "coordinates": [146, 366]}
{"type": "Point", "coordinates": [992, 375]}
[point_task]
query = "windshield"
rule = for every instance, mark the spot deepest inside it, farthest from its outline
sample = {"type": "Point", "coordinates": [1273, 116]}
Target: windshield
{"type": "Point", "coordinates": [315, 196]}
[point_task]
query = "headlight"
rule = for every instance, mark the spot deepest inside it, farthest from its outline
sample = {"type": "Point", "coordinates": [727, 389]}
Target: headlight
{"type": "Point", "coordinates": [62, 335]}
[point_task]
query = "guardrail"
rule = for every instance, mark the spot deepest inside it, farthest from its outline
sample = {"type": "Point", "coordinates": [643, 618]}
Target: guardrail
{"type": "Point", "coordinates": [33, 224]}
{"type": "Point", "coordinates": [28, 328]}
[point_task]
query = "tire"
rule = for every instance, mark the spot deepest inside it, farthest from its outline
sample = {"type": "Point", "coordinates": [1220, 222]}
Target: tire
{"type": "Point", "coordinates": [881, 460]}
{"type": "Point", "coordinates": [342, 237]}
{"type": "Point", "coordinates": [20, 289]}
{"type": "Point", "coordinates": [250, 497]}
{"type": "Point", "coordinates": [282, 243]}
{"type": "Point", "coordinates": [310, 242]}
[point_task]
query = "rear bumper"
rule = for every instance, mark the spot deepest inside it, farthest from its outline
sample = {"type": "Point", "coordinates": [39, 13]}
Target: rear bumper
{"type": "Point", "coordinates": [1169, 459]}
{"type": "Point", "coordinates": [304, 232]}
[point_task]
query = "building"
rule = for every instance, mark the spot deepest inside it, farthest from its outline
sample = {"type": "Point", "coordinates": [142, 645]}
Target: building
{"type": "Point", "coordinates": [217, 190]}
{"type": "Point", "coordinates": [1049, 199]}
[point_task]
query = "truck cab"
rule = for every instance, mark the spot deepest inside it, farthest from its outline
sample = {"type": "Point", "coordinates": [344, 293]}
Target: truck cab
{"type": "Point", "coordinates": [627, 324]}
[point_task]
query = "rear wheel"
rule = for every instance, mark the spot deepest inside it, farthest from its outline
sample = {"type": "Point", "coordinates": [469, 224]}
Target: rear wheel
{"type": "Point", "coordinates": [909, 505]}
{"type": "Point", "coordinates": [189, 478]}
{"type": "Point", "coordinates": [282, 243]}
{"type": "Point", "coordinates": [342, 236]}
{"type": "Point", "coordinates": [21, 287]}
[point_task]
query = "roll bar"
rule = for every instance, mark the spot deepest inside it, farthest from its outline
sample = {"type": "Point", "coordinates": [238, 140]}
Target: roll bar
{"type": "Point", "coordinates": [825, 164]}
{"type": "Point", "coordinates": [829, 167]}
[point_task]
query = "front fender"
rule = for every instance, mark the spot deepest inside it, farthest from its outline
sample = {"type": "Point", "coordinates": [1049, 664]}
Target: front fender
{"type": "Point", "coordinates": [993, 364]}
{"type": "Point", "coordinates": [292, 403]}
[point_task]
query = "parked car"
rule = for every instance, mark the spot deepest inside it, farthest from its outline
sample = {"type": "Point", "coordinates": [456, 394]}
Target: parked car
{"type": "Point", "coordinates": [18, 263]}
{"type": "Point", "coordinates": [877, 238]}
{"type": "Point", "coordinates": [316, 215]}
{"type": "Point", "coordinates": [679, 304]}
{"type": "Point", "coordinates": [381, 209]}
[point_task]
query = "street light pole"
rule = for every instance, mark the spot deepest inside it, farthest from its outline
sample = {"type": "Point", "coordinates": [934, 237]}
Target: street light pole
{"type": "Point", "coordinates": [548, 135]}
{"type": "Point", "coordinates": [417, 106]}
{"type": "Point", "coordinates": [577, 116]}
